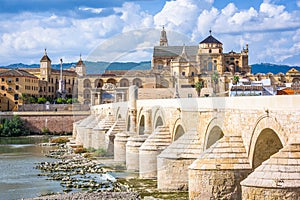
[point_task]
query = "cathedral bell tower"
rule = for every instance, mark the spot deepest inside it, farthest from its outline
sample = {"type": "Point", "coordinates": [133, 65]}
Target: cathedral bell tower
{"type": "Point", "coordinates": [163, 38]}
{"type": "Point", "coordinates": [45, 67]}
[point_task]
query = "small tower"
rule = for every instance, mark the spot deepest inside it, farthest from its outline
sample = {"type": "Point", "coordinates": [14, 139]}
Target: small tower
{"type": "Point", "coordinates": [163, 38]}
{"type": "Point", "coordinates": [45, 67]}
{"type": "Point", "coordinates": [80, 68]}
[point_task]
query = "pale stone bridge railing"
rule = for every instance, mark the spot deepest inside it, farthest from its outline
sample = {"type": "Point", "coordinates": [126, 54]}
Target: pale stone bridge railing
{"type": "Point", "coordinates": [231, 147]}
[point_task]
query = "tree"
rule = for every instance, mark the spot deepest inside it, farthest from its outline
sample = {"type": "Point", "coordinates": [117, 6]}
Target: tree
{"type": "Point", "coordinates": [60, 100]}
{"type": "Point", "coordinates": [12, 127]}
{"type": "Point", "coordinates": [198, 87]}
{"type": "Point", "coordinates": [235, 81]}
{"type": "Point", "coordinates": [24, 98]}
{"type": "Point", "coordinates": [41, 100]}
{"type": "Point", "coordinates": [32, 99]}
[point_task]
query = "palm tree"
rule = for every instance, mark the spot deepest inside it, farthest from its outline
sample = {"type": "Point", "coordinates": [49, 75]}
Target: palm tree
{"type": "Point", "coordinates": [24, 98]}
{"type": "Point", "coordinates": [236, 79]}
{"type": "Point", "coordinates": [198, 87]}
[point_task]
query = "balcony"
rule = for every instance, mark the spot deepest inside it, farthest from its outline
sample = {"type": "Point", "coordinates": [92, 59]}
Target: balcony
{"type": "Point", "coordinates": [9, 90]}
{"type": "Point", "coordinates": [9, 81]}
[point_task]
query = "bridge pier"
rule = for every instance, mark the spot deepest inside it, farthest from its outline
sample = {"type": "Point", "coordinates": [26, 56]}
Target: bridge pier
{"type": "Point", "coordinates": [81, 136]}
{"type": "Point", "coordinates": [276, 178]}
{"type": "Point", "coordinates": [219, 170]}
{"type": "Point", "coordinates": [150, 149]}
{"type": "Point", "coordinates": [99, 131]}
{"type": "Point", "coordinates": [120, 146]}
{"type": "Point", "coordinates": [175, 160]}
{"type": "Point", "coordinates": [132, 151]}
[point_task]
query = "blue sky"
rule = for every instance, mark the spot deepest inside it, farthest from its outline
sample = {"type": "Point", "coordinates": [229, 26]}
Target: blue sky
{"type": "Point", "coordinates": [118, 30]}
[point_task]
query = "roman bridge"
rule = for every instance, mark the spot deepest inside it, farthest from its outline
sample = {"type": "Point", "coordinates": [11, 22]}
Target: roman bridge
{"type": "Point", "coordinates": [216, 148]}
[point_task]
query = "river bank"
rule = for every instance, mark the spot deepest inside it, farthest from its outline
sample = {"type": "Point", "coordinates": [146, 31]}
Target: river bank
{"type": "Point", "coordinates": [85, 175]}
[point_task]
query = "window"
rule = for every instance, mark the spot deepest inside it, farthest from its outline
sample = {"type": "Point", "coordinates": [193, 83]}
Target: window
{"type": "Point", "coordinates": [16, 97]}
{"type": "Point", "coordinates": [209, 66]}
{"type": "Point", "coordinates": [17, 87]}
{"type": "Point", "coordinates": [3, 79]}
{"type": "Point", "coordinates": [209, 51]}
{"type": "Point", "coordinates": [2, 87]}
{"type": "Point", "coordinates": [17, 79]}
{"type": "Point", "coordinates": [183, 73]}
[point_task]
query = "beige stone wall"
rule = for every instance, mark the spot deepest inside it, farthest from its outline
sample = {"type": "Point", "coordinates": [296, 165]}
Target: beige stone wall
{"type": "Point", "coordinates": [172, 174]}
{"type": "Point", "coordinates": [59, 122]}
{"type": "Point", "coordinates": [215, 184]}
{"type": "Point", "coordinates": [270, 193]}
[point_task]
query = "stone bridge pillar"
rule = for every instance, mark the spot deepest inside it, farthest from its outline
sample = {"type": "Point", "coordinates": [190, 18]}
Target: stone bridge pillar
{"type": "Point", "coordinates": [219, 170]}
{"type": "Point", "coordinates": [133, 92]}
{"type": "Point", "coordinates": [278, 177]}
{"type": "Point", "coordinates": [134, 141]}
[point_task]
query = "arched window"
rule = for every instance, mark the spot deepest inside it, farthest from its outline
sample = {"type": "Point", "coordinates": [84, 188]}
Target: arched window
{"type": "Point", "coordinates": [124, 82]}
{"type": "Point", "coordinates": [138, 82]}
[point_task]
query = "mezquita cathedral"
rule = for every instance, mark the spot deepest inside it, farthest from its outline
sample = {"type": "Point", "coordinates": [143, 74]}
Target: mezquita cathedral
{"type": "Point", "coordinates": [178, 71]}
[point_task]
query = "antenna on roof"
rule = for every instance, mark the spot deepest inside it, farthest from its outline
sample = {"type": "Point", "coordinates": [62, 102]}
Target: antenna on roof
{"type": "Point", "coordinates": [210, 31]}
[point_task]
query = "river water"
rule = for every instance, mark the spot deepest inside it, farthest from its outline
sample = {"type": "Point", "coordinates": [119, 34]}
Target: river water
{"type": "Point", "coordinates": [18, 177]}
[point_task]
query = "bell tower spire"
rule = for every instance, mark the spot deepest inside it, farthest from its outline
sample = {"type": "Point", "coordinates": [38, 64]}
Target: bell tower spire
{"type": "Point", "coordinates": [163, 38]}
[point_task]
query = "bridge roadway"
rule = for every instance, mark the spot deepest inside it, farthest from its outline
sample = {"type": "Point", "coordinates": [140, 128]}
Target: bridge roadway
{"type": "Point", "coordinates": [216, 148]}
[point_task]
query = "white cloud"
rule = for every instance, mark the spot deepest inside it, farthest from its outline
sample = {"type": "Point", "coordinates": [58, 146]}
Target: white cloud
{"type": "Point", "coordinates": [271, 10]}
{"type": "Point", "coordinates": [242, 17]}
{"type": "Point", "coordinates": [229, 10]}
{"type": "Point", "coordinates": [180, 15]}
{"type": "Point", "coordinates": [24, 36]}
{"type": "Point", "coordinates": [92, 10]}
{"type": "Point", "coordinates": [133, 18]}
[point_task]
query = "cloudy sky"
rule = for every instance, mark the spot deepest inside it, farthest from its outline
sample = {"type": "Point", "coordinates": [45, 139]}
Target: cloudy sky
{"type": "Point", "coordinates": [119, 30]}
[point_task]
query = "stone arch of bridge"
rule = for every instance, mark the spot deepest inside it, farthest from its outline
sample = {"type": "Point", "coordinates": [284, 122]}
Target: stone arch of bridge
{"type": "Point", "coordinates": [267, 144]}
{"type": "Point", "coordinates": [140, 121]}
{"type": "Point", "coordinates": [178, 130]}
{"type": "Point", "coordinates": [141, 125]}
{"type": "Point", "coordinates": [118, 114]}
{"type": "Point", "coordinates": [267, 131]}
{"type": "Point", "coordinates": [127, 121]}
{"type": "Point", "coordinates": [214, 132]}
{"type": "Point", "coordinates": [158, 117]}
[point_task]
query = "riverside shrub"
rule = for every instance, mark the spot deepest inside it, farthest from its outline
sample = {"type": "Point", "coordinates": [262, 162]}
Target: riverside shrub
{"type": "Point", "coordinates": [13, 127]}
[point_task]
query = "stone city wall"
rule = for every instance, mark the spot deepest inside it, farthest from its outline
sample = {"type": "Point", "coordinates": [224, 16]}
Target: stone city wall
{"type": "Point", "coordinates": [56, 122]}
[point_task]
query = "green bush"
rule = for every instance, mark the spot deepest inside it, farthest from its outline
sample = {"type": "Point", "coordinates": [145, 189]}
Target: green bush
{"type": "Point", "coordinates": [60, 100]}
{"type": "Point", "coordinates": [95, 152]}
{"type": "Point", "coordinates": [100, 152]}
{"type": "Point", "coordinates": [41, 100]}
{"type": "Point", "coordinates": [13, 127]}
